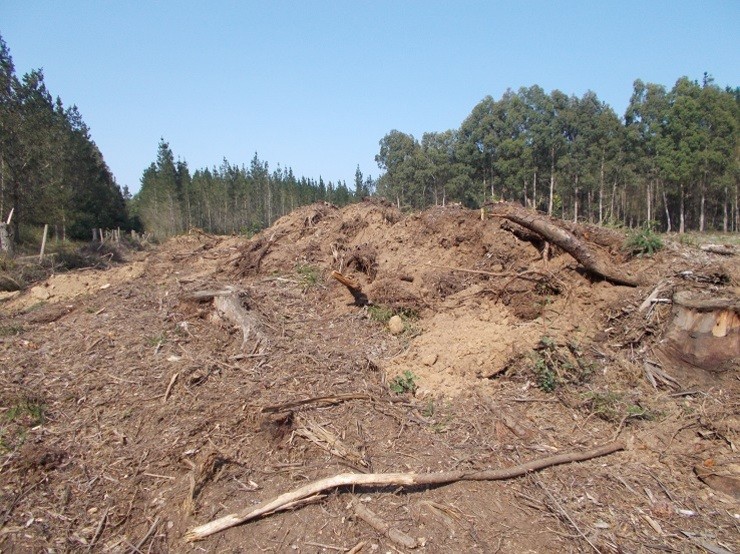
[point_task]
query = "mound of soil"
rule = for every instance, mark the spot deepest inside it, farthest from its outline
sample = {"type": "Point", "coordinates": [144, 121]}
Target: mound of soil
{"type": "Point", "coordinates": [215, 373]}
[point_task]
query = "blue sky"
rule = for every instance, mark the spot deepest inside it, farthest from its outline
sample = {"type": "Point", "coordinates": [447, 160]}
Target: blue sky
{"type": "Point", "coordinates": [315, 85]}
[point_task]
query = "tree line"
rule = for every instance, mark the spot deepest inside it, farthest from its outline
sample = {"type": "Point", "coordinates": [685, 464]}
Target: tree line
{"type": "Point", "coordinates": [671, 162]}
{"type": "Point", "coordinates": [230, 198]}
{"type": "Point", "coordinates": [51, 171]}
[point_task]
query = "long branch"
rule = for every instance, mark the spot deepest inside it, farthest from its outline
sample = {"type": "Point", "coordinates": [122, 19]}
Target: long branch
{"type": "Point", "coordinates": [384, 479]}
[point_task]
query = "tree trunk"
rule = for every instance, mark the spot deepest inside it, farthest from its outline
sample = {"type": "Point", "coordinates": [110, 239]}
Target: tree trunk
{"type": "Point", "coordinates": [667, 212]}
{"type": "Point", "coordinates": [562, 238]}
{"type": "Point", "coordinates": [575, 202]}
{"type": "Point", "coordinates": [552, 182]}
{"type": "Point", "coordinates": [649, 201]}
{"type": "Point", "coordinates": [682, 215]}
{"type": "Point", "coordinates": [6, 243]}
{"type": "Point", "coordinates": [601, 192]}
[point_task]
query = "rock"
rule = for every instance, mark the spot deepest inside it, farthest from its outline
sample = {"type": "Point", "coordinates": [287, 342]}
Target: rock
{"type": "Point", "coordinates": [429, 359]}
{"type": "Point", "coordinates": [395, 325]}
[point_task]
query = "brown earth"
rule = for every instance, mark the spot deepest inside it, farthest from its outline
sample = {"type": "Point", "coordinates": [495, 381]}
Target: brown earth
{"type": "Point", "coordinates": [132, 411]}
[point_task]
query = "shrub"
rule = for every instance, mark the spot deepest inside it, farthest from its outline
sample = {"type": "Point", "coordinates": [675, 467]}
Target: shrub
{"type": "Point", "coordinates": [644, 243]}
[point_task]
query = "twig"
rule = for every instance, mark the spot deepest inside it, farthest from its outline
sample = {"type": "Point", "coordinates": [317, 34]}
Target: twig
{"type": "Point", "coordinates": [98, 530]}
{"type": "Point", "coordinates": [169, 387]}
{"type": "Point", "coordinates": [384, 479]}
{"type": "Point", "coordinates": [382, 527]}
{"type": "Point", "coordinates": [565, 514]}
{"type": "Point", "coordinates": [149, 533]}
{"type": "Point", "coordinates": [356, 548]}
{"type": "Point", "coordinates": [329, 399]}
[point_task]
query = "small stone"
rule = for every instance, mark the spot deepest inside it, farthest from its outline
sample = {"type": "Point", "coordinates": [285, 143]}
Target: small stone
{"type": "Point", "coordinates": [429, 359]}
{"type": "Point", "coordinates": [395, 325]}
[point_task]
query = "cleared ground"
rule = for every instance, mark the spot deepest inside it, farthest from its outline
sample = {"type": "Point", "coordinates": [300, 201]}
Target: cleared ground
{"type": "Point", "coordinates": [133, 411]}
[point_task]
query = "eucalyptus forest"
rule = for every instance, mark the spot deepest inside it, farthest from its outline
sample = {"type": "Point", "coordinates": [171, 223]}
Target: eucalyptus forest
{"type": "Point", "coordinates": [671, 163]}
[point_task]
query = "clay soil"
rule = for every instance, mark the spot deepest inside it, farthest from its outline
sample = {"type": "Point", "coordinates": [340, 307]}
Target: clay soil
{"type": "Point", "coordinates": [132, 410]}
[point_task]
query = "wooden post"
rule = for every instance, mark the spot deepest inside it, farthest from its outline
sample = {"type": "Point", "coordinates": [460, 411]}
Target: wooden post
{"type": "Point", "coordinates": [43, 243]}
{"type": "Point", "coordinates": [95, 234]}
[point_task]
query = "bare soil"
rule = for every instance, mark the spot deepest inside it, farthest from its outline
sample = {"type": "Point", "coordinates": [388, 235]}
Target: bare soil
{"type": "Point", "coordinates": [131, 412]}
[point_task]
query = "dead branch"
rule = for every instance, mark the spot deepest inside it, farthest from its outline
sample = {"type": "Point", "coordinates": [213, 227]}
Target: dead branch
{"type": "Point", "coordinates": [353, 287]}
{"type": "Point", "coordinates": [324, 400]}
{"type": "Point", "coordinates": [396, 479]}
{"type": "Point", "coordinates": [724, 249]}
{"type": "Point", "coordinates": [381, 526]}
{"type": "Point", "coordinates": [562, 238]}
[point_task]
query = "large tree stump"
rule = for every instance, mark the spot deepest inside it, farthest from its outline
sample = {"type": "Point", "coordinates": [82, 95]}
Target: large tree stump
{"type": "Point", "coordinates": [564, 239]}
{"type": "Point", "coordinates": [704, 332]}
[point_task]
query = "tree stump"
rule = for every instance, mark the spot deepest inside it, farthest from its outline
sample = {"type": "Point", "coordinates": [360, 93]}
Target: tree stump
{"type": "Point", "coordinates": [704, 332]}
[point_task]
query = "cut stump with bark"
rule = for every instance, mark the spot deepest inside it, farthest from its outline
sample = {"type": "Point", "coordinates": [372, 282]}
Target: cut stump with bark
{"type": "Point", "coordinates": [704, 331]}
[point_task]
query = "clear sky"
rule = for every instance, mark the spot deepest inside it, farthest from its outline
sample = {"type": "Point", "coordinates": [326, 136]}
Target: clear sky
{"type": "Point", "coordinates": [315, 85]}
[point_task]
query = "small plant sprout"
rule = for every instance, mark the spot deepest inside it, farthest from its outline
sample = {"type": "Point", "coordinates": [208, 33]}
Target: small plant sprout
{"type": "Point", "coordinates": [406, 382]}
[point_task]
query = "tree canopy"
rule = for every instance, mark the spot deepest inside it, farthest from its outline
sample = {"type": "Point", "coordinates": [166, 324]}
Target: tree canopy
{"type": "Point", "coordinates": [50, 169]}
{"type": "Point", "coordinates": [672, 160]}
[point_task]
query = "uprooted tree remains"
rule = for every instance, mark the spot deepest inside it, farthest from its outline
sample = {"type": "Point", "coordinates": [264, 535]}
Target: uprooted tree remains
{"type": "Point", "coordinates": [544, 227]}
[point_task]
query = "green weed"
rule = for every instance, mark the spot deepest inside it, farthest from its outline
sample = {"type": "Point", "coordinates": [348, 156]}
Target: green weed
{"type": "Point", "coordinates": [405, 382]}
{"type": "Point", "coordinates": [615, 407]}
{"type": "Point", "coordinates": [10, 330]}
{"type": "Point", "coordinates": [310, 275]}
{"type": "Point", "coordinates": [24, 414]}
{"type": "Point", "coordinates": [381, 314]}
{"type": "Point", "coordinates": [554, 365]}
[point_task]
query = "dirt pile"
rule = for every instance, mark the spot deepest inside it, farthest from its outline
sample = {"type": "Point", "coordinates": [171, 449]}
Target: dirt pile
{"type": "Point", "coordinates": [215, 373]}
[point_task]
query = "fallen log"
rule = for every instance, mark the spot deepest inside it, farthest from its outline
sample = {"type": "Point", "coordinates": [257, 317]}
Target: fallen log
{"type": "Point", "coordinates": [723, 249]}
{"type": "Point", "coordinates": [562, 238]}
{"type": "Point", "coordinates": [289, 499]}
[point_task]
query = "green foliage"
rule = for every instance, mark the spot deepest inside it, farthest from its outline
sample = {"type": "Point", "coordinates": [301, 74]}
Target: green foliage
{"type": "Point", "coordinates": [615, 406]}
{"type": "Point", "coordinates": [229, 198]}
{"type": "Point", "coordinates": [643, 243]}
{"type": "Point", "coordinates": [381, 314]}
{"type": "Point", "coordinates": [157, 340]}
{"type": "Point", "coordinates": [555, 365]}
{"type": "Point", "coordinates": [403, 383]}
{"type": "Point", "coordinates": [310, 275]}
{"type": "Point", "coordinates": [23, 414]}
{"type": "Point", "coordinates": [52, 171]}
{"type": "Point", "coordinates": [10, 330]}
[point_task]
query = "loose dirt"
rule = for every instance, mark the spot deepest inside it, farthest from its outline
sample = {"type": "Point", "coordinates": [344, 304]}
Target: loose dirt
{"type": "Point", "coordinates": [132, 409]}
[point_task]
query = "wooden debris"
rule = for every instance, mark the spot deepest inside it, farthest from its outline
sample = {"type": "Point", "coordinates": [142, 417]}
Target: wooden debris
{"type": "Point", "coordinates": [323, 400]}
{"type": "Point", "coordinates": [353, 287]}
{"type": "Point", "coordinates": [724, 249]}
{"type": "Point", "coordinates": [724, 483]}
{"type": "Point", "coordinates": [384, 479]}
{"type": "Point", "coordinates": [562, 238]}
{"type": "Point", "coordinates": [326, 440]}
{"type": "Point", "coordinates": [169, 387]}
{"type": "Point", "coordinates": [396, 535]}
